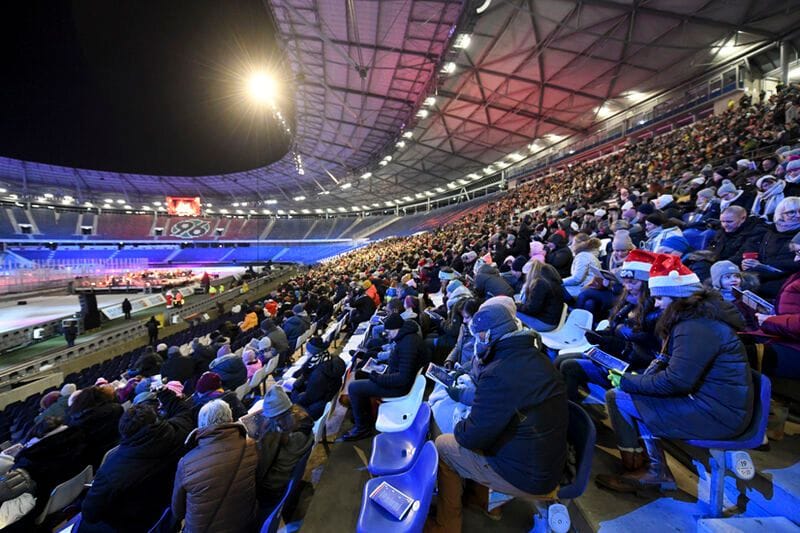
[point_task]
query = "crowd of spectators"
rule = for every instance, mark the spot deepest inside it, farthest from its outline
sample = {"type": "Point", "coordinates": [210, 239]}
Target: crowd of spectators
{"type": "Point", "coordinates": [617, 236]}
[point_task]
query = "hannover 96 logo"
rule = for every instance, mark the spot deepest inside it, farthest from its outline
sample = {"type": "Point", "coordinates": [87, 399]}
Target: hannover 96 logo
{"type": "Point", "coordinates": [189, 229]}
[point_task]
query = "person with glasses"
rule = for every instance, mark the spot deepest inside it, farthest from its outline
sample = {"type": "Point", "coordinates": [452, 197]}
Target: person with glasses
{"type": "Point", "coordinates": [771, 258]}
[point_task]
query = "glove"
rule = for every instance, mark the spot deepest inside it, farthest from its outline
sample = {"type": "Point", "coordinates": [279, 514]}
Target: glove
{"type": "Point", "coordinates": [614, 378]}
{"type": "Point", "coordinates": [594, 338]}
{"type": "Point", "coordinates": [448, 365]}
{"type": "Point", "coordinates": [455, 393]}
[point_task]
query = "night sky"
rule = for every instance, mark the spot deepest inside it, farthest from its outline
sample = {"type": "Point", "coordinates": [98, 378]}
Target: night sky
{"type": "Point", "coordinates": [132, 86]}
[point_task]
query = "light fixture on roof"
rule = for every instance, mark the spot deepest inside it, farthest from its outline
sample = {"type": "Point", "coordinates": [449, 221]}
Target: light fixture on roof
{"type": "Point", "coordinates": [400, 144]}
{"type": "Point", "coordinates": [318, 210]}
{"type": "Point", "coordinates": [449, 67]}
{"type": "Point", "coordinates": [266, 211]}
{"type": "Point", "coordinates": [604, 111]}
{"type": "Point", "coordinates": [262, 88]}
{"type": "Point", "coordinates": [439, 189]}
{"type": "Point", "coordinates": [366, 175]}
{"type": "Point", "coordinates": [299, 198]}
{"type": "Point", "coordinates": [462, 41]}
{"type": "Point", "coordinates": [429, 101]}
{"type": "Point", "coordinates": [355, 208]}
{"type": "Point", "coordinates": [292, 212]}
{"type": "Point", "coordinates": [407, 198]}
{"type": "Point", "coordinates": [253, 212]}
{"type": "Point", "coordinates": [244, 204]}
{"type": "Point", "coordinates": [209, 210]}
{"type": "Point", "coordinates": [388, 203]}
{"type": "Point", "coordinates": [209, 204]}
{"type": "Point", "coordinates": [571, 152]}
{"type": "Point", "coordinates": [271, 201]}
{"type": "Point", "coordinates": [223, 211]}
{"type": "Point", "coordinates": [341, 209]}
{"type": "Point", "coordinates": [126, 206]}
{"type": "Point", "coordinates": [324, 193]}
{"type": "Point", "coordinates": [239, 212]}
{"type": "Point", "coordinates": [474, 176]}
{"type": "Point", "coordinates": [48, 195]}
{"type": "Point", "coordinates": [159, 203]}
{"type": "Point", "coordinates": [3, 191]}
{"type": "Point", "coordinates": [88, 204]}
{"type": "Point", "coordinates": [329, 210]}
{"type": "Point", "coordinates": [365, 206]}
{"type": "Point", "coordinates": [483, 7]}
{"type": "Point", "coordinates": [281, 212]}
{"type": "Point", "coordinates": [408, 135]}
{"type": "Point", "coordinates": [383, 163]}
{"type": "Point", "coordinates": [108, 201]}
{"type": "Point", "coordinates": [462, 181]}
{"type": "Point", "coordinates": [516, 156]}
{"type": "Point", "coordinates": [346, 185]}
{"type": "Point", "coordinates": [376, 204]}
{"type": "Point", "coordinates": [422, 113]}
{"type": "Point", "coordinates": [452, 185]}
{"type": "Point", "coordinates": [146, 207]}
{"type": "Point", "coordinates": [235, 204]}
{"type": "Point", "coordinates": [120, 201]}
{"type": "Point", "coordinates": [305, 211]}
{"type": "Point", "coordinates": [420, 195]}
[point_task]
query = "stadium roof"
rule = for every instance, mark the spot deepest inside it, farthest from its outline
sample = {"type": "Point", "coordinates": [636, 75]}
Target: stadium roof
{"type": "Point", "coordinates": [397, 99]}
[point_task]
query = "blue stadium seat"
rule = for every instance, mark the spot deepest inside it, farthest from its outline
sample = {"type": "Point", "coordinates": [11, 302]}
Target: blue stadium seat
{"type": "Point", "coordinates": [394, 453]}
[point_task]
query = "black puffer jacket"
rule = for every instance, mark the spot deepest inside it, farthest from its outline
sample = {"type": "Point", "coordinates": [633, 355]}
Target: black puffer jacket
{"type": "Point", "coordinates": [731, 245]}
{"type": "Point", "coordinates": [99, 424]}
{"type": "Point", "coordinates": [545, 303]}
{"type": "Point", "coordinates": [704, 389]}
{"type": "Point", "coordinates": [320, 387]}
{"type": "Point", "coordinates": [178, 368]}
{"type": "Point", "coordinates": [489, 283]}
{"type": "Point", "coordinates": [773, 250]}
{"type": "Point", "coordinates": [405, 360]}
{"type": "Point", "coordinates": [560, 257]}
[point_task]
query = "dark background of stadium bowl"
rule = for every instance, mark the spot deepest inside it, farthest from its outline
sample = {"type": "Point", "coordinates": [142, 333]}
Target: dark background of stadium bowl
{"type": "Point", "coordinates": [136, 86]}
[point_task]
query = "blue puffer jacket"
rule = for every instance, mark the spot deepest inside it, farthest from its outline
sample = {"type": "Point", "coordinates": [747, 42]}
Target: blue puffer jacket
{"type": "Point", "coordinates": [231, 370]}
{"type": "Point", "coordinates": [519, 415]}
{"type": "Point", "coordinates": [704, 389]}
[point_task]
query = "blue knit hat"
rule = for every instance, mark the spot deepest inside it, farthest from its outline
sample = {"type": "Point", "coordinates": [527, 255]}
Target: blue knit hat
{"type": "Point", "coordinates": [453, 285]}
{"type": "Point", "coordinates": [677, 243]}
{"type": "Point", "coordinates": [495, 317]}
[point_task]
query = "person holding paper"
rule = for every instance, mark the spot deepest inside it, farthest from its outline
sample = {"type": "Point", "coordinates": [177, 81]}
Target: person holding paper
{"type": "Point", "coordinates": [515, 438]}
{"type": "Point", "coordinates": [700, 387]}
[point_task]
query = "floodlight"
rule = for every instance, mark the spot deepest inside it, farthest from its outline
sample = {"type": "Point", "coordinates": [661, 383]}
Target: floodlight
{"type": "Point", "coordinates": [262, 88]}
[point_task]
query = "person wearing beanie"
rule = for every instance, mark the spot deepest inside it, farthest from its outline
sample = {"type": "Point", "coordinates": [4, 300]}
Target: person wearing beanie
{"type": "Point", "coordinates": [284, 436]}
{"type": "Point", "coordinates": [699, 388]}
{"type": "Point", "coordinates": [730, 195]}
{"type": "Point", "coordinates": [770, 194]}
{"type": "Point", "coordinates": [94, 412]}
{"type": "Point", "coordinates": [134, 483]}
{"type": "Point", "coordinates": [362, 307]}
{"type": "Point", "coordinates": [215, 482]}
{"type": "Point", "coordinates": [277, 338]}
{"type": "Point", "coordinates": [456, 292]}
{"type": "Point", "coordinates": [177, 367]}
{"type": "Point", "coordinates": [231, 370]}
{"type": "Point", "coordinates": [725, 276]}
{"type": "Point", "coordinates": [489, 282]}
{"type": "Point", "coordinates": [706, 209]}
{"type": "Point", "coordinates": [494, 446]}
{"type": "Point", "coordinates": [792, 178]}
{"type": "Point", "coordinates": [621, 246]}
{"type": "Point", "coordinates": [319, 382]}
{"type": "Point", "coordinates": [537, 251]}
{"type": "Point", "coordinates": [558, 254]}
{"type": "Point", "coordinates": [54, 404]}
{"type": "Point", "coordinates": [674, 244]}
{"type": "Point", "coordinates": [251, 362]}
{"type": "Point", "coordinates": [514, 277]}
{"type": "Point", "coordinates": [656, 231]}
{"type": "Point", "coordinates": [405, 358]}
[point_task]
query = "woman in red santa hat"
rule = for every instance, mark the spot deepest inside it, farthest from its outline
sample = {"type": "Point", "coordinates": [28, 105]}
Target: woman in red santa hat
{"type": "Point", "coordinates": [699, 387]}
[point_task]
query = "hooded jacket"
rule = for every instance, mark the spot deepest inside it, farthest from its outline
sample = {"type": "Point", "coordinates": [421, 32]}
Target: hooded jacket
{"type": "Point", "coordinates": [320, 388]}
{"type": "Point", "coordinates": [99, 425]}
{"type": "Point", "coordinates": [215, 484]}
{"type": "Point", "coordinates": [231, 370]}
{"type": "Point", "coordinates": [405, 359]}
{"type": "Point", "coordinates": [704, 389]}
{"type": "Point", "coordinates": [519, 415]}
{"type": "Point", "coordinates": [133, 486]}
{"type": "Point", "coordinates": [561, 256]}
{"type": "Point", "coordinates": [488, 283]}
{"type": "Point", "coordinates": [294, 327]}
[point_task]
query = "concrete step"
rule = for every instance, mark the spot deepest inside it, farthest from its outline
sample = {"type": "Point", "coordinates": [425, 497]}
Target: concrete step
{"type": "Point", "coordinates": [773, 524]}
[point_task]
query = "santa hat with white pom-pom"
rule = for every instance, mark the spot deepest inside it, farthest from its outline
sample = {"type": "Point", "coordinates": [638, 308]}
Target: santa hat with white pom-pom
{"type": "Point", "coordinates": [670, 277]}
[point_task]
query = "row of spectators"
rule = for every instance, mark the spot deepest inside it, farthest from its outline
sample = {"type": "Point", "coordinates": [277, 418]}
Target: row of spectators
{"type": "Point", "coordinates": [611, 236]}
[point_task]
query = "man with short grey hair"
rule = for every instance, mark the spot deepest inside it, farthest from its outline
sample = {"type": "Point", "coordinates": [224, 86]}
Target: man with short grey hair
{"type": "Point", "coordinates": [738, 230]}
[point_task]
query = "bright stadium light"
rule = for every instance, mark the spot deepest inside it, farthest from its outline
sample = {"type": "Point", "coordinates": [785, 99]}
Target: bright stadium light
{"type": "Point", "coordinates": [366, 175]}
{"type": "Point", "coordinates": [483, 7]}
{"type": "Point", "coordinates": [408, 134]}
{"type": "Point", "coordinates": [262, 88]}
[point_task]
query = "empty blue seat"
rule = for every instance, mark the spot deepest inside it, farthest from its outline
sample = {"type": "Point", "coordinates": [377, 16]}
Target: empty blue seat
{"type": "Point", "coordinates": [730, 454]}
{"type": "Point", "coordinates": [416, 483]}
{"type": "Point", "coordinates": [273, 521]}
{"type": "Point", "coordinates": [393, 453]}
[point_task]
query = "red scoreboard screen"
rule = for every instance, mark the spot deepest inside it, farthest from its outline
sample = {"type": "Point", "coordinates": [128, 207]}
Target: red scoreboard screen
{"type": "Point", "coordinates": [183, 207]}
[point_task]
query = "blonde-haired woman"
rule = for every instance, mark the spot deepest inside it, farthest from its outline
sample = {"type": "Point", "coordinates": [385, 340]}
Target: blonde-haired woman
{"type": "Point", "coordinates": [586, 250]}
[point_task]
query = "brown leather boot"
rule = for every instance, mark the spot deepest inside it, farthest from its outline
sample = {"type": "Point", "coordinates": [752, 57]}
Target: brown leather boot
{"type": "Point", "coordinates": [448, 505]}
{"type": "Point", "coordinates": [656, 477]}
{"type": "Point", "coordinates": [632, 460]}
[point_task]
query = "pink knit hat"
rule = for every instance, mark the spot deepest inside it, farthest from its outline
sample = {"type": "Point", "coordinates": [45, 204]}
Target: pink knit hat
{"type": "Point", "coordinates": [175, 386]}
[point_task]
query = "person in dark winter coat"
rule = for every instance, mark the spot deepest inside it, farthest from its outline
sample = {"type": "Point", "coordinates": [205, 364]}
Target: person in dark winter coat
{"type": "Point", "coordinates": [362, 308]}
{"type": "Point", "coordinates": [98, 417]}
{"type": "Point", "coordinates": [53, 457]}
{"type": "Point", "coordinates": [177, 367]}
{"type": "Point", "coordinates": [514, 439]}
{"type": "Point", "coordinates": [316, 387]}
{"type": "Point", "coordinates": [737, 233]}
{"type": "Point", "coordinates": [405, 359]}
{"type": "Point", "coordinates": [134, 485]}
{"type": "Point", "coordinates": [542, 297]}
{"type": "Point", "coordinates": [700, 388]}
{"type": "Point", "coordinates": [127, 308]}
{"type": "Point", "coordinates": [231, 370]}
{"type": "Point", "coordinates": [209, 387]}
{"type": "Point", "coordinates": [559, 255]}
{"type": "Point", "coordinates": [773, 249]}
{"type": "Point", "coordinates": [152, 331]}
{"type": "Point", "coordinates": [284, 437]}
{"type": "Point", "coordinates": [277, 337]}
{"type": "Point", "coordinates": [215, 483]}
{"type": "Point", "coordinates": [296, 325]}
{"type": "Point", "coordinates": [489, 282]}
